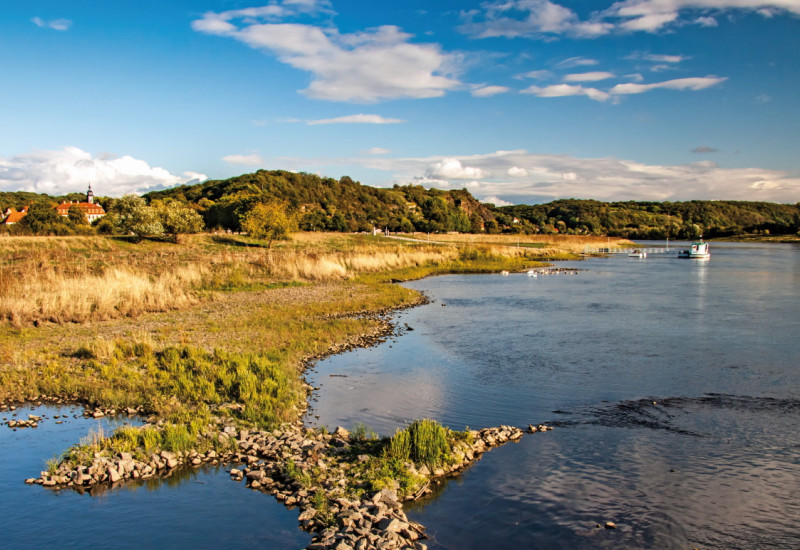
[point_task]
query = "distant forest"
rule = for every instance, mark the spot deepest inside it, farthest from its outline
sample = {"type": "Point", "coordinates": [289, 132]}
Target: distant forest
{"type": "Point", "coordinates": [327, 204]}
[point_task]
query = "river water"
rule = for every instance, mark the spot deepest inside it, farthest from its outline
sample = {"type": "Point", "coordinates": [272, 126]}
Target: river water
{"type": "Point", "coordinates": [192, 509]}
{"type": "Point", "coordinates": [673, 385]}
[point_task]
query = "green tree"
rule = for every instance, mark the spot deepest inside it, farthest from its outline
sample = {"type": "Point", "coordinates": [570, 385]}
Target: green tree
{"type": "Point", "coordinates": [42, 219]}
{"type": "Point", "coordinates": [177, 218]}
{"type": "Point", "coordinates": [76, 215]}
{"type": "Point", "coordinates": [269, 221]}
{"type": "Point", "coordinates": [133, 216]}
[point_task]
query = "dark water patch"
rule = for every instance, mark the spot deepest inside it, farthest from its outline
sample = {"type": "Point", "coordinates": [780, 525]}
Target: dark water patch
{"type": "Point", "coordinates": [666, 413]}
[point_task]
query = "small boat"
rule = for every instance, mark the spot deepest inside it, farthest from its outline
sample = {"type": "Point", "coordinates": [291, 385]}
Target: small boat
{"type": "Point", "coordinates": [637, 254]}
{"type": "Point", "coordinates": [504, 273]}
{"type": "Point", "coordinates": [531, 273]}
{"type": "Point", "coordinates": [699, 251]}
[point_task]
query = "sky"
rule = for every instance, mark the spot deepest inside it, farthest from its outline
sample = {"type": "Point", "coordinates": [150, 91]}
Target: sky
{"type": "Point", "coordinates": [517, 101]}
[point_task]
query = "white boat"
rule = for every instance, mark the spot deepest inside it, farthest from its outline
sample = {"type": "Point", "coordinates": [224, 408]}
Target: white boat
{"type": "Point", "coordinates": [637, 254]}
{"type": "Point", "coordinates": [699, 251]}
{"type": "Point", "coordinates": [531, 273]}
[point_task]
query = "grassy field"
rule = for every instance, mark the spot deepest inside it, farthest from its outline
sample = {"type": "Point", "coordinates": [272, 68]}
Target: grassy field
{"type": "Point", "coordinates": [217, 327]}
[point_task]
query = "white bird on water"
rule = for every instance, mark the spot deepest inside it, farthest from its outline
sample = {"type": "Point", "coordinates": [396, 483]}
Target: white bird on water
{"type": "Point", "coordinates": [531, 273]}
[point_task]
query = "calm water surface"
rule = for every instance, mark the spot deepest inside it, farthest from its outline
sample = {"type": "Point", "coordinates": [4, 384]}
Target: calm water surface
{"type": "Point", "coordinates": [673, 384]}
{"type": "Point", "coordinates": [195, 509]}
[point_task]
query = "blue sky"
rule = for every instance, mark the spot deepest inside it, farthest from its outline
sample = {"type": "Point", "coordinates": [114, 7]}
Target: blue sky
{"type": "Point", "coordinates": [518, 101]}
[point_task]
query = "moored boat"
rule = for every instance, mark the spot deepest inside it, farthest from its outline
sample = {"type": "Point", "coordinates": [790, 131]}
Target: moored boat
{"type": "Point", "coordinates": [698, 251]}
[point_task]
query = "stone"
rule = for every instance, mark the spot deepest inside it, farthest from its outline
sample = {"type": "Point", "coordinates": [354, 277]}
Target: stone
{"type": "Point", "coordinates": [392, 525]}
{"type": "Point", "coordinates": [610, 525]}
{"type": "Point", "coordinates": [113, 474]}
{"type": "Point", "coordinates": [341, 432]}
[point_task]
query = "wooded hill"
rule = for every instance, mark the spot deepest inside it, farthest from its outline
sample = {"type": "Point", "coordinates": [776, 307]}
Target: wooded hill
{"type": "Point", "coordinates": [327, 204]}
{"type": "Point", "coordinates": [346, 205]}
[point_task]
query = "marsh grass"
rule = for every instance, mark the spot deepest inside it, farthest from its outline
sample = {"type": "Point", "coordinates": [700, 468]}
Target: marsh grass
{"type": "Point", "coordinates": [210, 330]}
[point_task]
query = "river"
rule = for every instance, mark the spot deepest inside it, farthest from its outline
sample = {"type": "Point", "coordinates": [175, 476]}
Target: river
{"type": "Point", "coordinates": [672, 383]}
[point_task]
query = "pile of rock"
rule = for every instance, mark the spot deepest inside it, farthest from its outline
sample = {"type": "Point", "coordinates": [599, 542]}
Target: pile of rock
{"type": "Point", "coordinates": [121, 467]}
{"type": "Point", "coordinates": [31, 422]}
{"type": "Point", "coordinates": [304, 468]}
{"type": "Point", "coordinates": [374, 520]}
{"type": "Point", "coordinates": [100, 412]}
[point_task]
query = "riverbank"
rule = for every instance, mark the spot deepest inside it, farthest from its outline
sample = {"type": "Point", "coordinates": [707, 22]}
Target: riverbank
{"type": "Point", "coordinates": [227, 359]}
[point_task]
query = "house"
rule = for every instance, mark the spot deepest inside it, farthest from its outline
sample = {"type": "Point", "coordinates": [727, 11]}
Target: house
{"type": "Point", "coordinates": [90, 209]}
{"type": "Point", "coordinates": [11, 216]}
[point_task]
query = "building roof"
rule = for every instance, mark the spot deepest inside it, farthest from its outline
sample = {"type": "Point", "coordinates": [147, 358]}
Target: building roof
{"type": "Point", "coordinates": [14, 216]}
{"type": "Point", "coordinates": [87, 207]}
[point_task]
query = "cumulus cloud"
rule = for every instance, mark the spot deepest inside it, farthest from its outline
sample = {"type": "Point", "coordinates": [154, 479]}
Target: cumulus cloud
{"type": "Point", "coordinates": [356, 119]}
{"type": "Point", "coordinates": [588, 77]}
{"type": "Point", "coordinates": [497, 201]}
{"type": "Point", "coordinates": [696, 83]}
{"type": "Point", "coordinates": [56, 24]}
{"type": "Point", "coordinates": [565, 90]}
{"type": "Point", "coordinates": [72, 170]}
{"type": "Point", "coordinates": [522, 177]}
{"type": "Point", "coordinates": [245, 160]}
{"type": "Point", "coordinates": [365, 66]}
{"type": "Point", "coordinates": [451, 168]}
{"type": "Point", "coordinates": [487, 91]}
{"type": "Point", "coordinates": [546, 19]}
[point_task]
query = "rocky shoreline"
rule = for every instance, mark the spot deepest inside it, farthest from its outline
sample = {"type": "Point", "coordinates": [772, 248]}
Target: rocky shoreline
{"type": "Point", "coordinates": [277, 462]}
{"type": "Point", "coordinates": [319, 473]}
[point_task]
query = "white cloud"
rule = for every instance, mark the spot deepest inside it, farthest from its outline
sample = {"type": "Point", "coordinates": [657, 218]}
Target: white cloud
{"type": "Point", "coordinates": [657, 58]}
{"type": "Point", "coordinates": [246, 160]}
{"type": "Point", "coordinates": [56, 24]}
{"type": "Point", "coordinates": [566, 90]}
{"type": "Point", "coordinates": [653, 15]}
{"type": "Point", "coordinates": [366, 67]}
{"type": "Point", "coordinates": [497, 201]}
{"type": "Point", "coordinates": [539, 18]}
{"type": "Point", "coordinates": [706, 22]}
{"type": "Point", "coordinates": [72, 170]}
{"type": "Point", "coordinates": [696, 83]}
{"type": "Point", "coordinates": [572, 62]}
{"type": "Point", "coordinates": [536, 75]}
{"type": "Point", "coordinates": [588, 77]}
{"type": "Point", "coordinates": [377, 151]}
{"type": "Point", "coordinates": [356, 119]}
{"type": "Point", "coordinates": [608, 179]}
{"type": "Point", "coordinates": [487, 91]}
{"type": "Point", "coordinates": [450, 168]}
{"type": "Point", "coordinates": [546, 19]}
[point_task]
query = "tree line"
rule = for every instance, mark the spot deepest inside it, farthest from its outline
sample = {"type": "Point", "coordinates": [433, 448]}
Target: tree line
{"type": "Point", "coordinates": [273, 203]}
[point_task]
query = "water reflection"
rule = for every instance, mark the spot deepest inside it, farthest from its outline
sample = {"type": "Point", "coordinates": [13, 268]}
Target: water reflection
{"type": "Point", "coordinates": [713, 462]}
{"type": "Point", "coordinates": [190, 508]}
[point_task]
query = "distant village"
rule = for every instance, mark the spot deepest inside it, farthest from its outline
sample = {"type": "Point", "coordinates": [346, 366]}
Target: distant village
{"type": "Point", "coordinates": [91, 210]}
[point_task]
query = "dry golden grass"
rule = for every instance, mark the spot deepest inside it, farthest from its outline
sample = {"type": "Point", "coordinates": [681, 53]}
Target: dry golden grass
{"type": "Point", "coordinates": [80, 279]}
{"type": "Point", "coordinates": [83, 279]}
{"type": "Point", "coordinates": [546, 245]}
